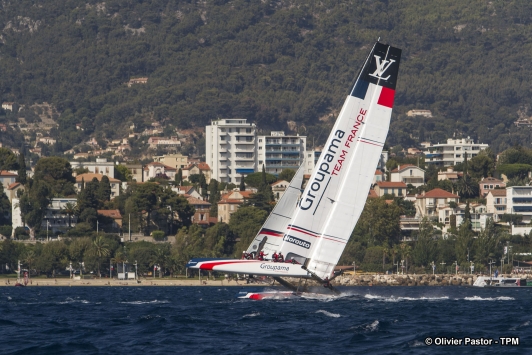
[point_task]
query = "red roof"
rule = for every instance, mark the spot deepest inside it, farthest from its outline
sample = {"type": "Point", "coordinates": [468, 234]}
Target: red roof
{"type": "Point", "coordinates": [197, 201]}
{"type": "Point", "coordinates": [13, 185]}
{"type": "Point", "coordinates": [6, 173]}
{"type": "Point", "coordinates": [382, 184]}
{"type": "Point", "coordinates": [438, 193]}
{"type": "Point", "coordinates": [166, 167]}
{"type": "Point", "coordinates": [498, 192]}
{"type": "Point", "coordinates": [372, 194]}
{"type": "Point", "coordinates": [402, 167]}
{"type": "Point", "coordinates": [114, 214]}
{"type": "Point", "coordinates": [378, 172]}
{"type": "Point", "coordinates": [492, 180]}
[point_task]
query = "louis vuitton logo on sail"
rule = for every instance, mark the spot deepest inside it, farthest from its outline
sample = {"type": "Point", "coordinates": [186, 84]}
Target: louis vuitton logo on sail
{"type": "Point", "coordinates": [382, 66]}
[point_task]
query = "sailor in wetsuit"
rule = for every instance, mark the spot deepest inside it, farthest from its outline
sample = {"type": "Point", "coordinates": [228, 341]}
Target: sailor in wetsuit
{"type": "Point", "coordinates": [275, 256]}
{"type": "Point", "coordinates": [280, 257]}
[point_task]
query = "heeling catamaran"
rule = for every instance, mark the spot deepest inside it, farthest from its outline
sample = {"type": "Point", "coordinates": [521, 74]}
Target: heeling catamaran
{"type": "Point", "coordinates": [312, 229]}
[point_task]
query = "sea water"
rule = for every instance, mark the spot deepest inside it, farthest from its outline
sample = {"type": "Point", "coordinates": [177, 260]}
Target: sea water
{"type": "Point", "coordinates": [210, 320]}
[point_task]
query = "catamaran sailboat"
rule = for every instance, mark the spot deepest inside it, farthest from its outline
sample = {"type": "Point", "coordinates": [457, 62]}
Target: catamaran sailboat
{"type": "Point", "coordinates": [311, 228]}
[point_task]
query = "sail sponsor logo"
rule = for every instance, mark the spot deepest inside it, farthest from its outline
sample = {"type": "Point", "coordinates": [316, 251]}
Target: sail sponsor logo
{"type": "Point", "coordinates": [350, 138]}
{"type": "Point", "coordinates": [300, 242]}
{"type": "Point", "coordinates": [274, 267]}
{"type": "Point", "coordinates": [382, 66]}
{"type": "Point", "coordinates": [315, 187]}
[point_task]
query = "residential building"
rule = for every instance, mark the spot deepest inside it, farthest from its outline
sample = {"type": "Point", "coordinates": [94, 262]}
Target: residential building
{"type": "Point", "coordinates": [397, 189]}
{"type": "Point", "coordinates": [203, 211]}
{"type": "Point", "coordinates": [379, 176]}
{"type": "Point", "coordinates": [56, 220]}
{"type": "Point", "coordinates": [409, 174]}
{"type": "Point", "coordinates": [279, 151]}
{"type": "Point", "coordinates": [187, 191]}
{"type": "Point", "coordinates": [229, 204]}
{"type": "Point", "coordinates": [196, 169]}
{"type": "Point", "coordinates": [450, 175]}
{"type": "Point", "coordinates": [8, 106]}
{"type": "Point", "coordinates": [137, 172]}
{"type": "Point", "coordinates": [155, 169]}
{"type": "Point", "coordinates": [478, 212]}
{"type": "Point", "coordinates": [231, 147]}
{"type": "Point", "coordinates": [7, 178]}
{"type": "Point", "coordinates": [496, 203]}
{"type": "Point", "coordinates": [178, 160]}
{"type": "Point", "coordinates": [12, 190]}
{"type": "Point", "coordinates": [100, 166]}
{"type": "Point", "coordinates": [424, 113]}
{"type": "Point", "coordinates": [490, 183]}
{"type": "Point", "coordinates": [452, 152]}
{"type": "Point", "coordinates": [428, 203]}
{"type": "Point", "coordinates": [519, 201]}
{"type": "Point", "coordinates": [155, 142]}
{"type": "Point", "coordinates": [114, 221]}
{"type": "Point", "coordinates": [85, 178]}
{"type": "Point", "coordinates": [134, 81]}
{"type": "Point", "coordinates": [278, 188]}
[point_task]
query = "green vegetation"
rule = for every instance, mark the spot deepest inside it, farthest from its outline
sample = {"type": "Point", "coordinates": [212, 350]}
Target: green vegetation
{"type": "Point", "coordinates": [266, 61]}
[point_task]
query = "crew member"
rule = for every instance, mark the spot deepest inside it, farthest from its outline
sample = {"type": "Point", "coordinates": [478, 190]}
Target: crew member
{"type": "Point", "coordinates": [261, 255]}
{"type": "Point", "coordinates": [326, 282]}
{"type": "Point", "coordinates": [275, 256]}
{"type": "Point", "coordinates": [280, 257]}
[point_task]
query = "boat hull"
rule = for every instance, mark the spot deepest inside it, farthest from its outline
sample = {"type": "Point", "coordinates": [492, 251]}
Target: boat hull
{"type": "Point", "coordinates": [250, 267]}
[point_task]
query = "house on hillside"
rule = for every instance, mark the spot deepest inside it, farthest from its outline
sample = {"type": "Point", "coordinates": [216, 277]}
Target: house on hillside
{"type": "Point", "coordinates": [155, 169]}
{"type": "Point", "coordinates": [408, 174]}
{"type": "Point", "coordinates": [230, 202]}
{"type": "Point", "coordinates": [111, 221]}
{"type": "Point", "coordinates": [397, 189]}
{"type": "Point", "coordinates": [428, 203]}
{"type": "Point", "coordinates": [7, 178]}
{"type": "Point", "coordinates": [490, 183]}
{"type": "Point", "coordinates": [203, 212]}
{"type": "Point", "coordinates": [12, 190]}
{"type": "Point", "coordinates": [496, 203]}
{"type": "Point", "coordinates": [197, 168]}
{"type": "Point", "coordinates": [278, 188]}
{"type": "Point", "coordinates": [450, 174]}
{"type": "Point", "coordinates": [85, 178]}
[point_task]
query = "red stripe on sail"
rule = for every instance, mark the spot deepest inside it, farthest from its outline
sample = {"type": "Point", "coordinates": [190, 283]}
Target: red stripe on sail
{"type": "Point", "coordinates": [386, 98]}
{"type": "Point", "coordinates": [209, 266]}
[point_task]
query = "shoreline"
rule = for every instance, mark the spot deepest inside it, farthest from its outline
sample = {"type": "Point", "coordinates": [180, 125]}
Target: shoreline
{"type": "Point", "coordinates": [345, 280]}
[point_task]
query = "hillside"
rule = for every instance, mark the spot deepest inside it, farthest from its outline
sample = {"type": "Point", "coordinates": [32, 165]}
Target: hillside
{"type": "Point", "coordinates": [268, 61]}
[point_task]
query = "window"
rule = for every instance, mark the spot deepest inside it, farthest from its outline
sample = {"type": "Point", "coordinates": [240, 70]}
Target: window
{"type": "Point", "coordinates": [248, 130]}
{"type": "Point", "coordinates": [410, 172]}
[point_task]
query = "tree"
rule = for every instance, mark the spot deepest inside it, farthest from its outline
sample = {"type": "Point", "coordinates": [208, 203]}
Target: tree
{"type": "Point", "coordinates": [33, 204]}
{"type": "Point", "coordinates": [5, 207]}
{"type": "Point", "coordinates": [425, 249]}
{"type": "Point", "coordinates": [69, 209]}
{"type": "Point", "coordinates": [245, 224]}
{"type": "Point", "coordinates": [8, 160]}
{"type": "Point", "coordinates": [242, 184]}
{"type": "Point", "coordinates": [104, 190]}
{"type": "Point", "coordinates": [486, 243]}
{"type": "Point", "coordinates": [57, 173]}
{"type": "Point", "coordinates": [22, 176]}
{"type": "Point", "coordinates": [257, 179]}
{"type": "Point", "coordinates": [287, 174]}
{"type": "Point", "coordinates": [466, 187]}
{"type": "Point", "coordinates": [464, 241]}
{"type": "Point", "coordinates": [179, 177]}
{"type": "Point", "coordinates": [99, 249]}
{"type": "Point", "coordinates": [122, 173]}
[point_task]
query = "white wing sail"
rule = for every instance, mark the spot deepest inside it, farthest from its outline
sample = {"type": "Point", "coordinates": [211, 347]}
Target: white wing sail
{"type": "Point", "coordinates": [338, 187]}
{"type": "Point", "coordinates": [270, 236]}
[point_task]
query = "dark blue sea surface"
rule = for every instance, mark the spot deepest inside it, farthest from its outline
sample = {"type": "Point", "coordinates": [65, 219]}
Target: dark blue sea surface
{"type": "Point", "coordinates": [210, 320]}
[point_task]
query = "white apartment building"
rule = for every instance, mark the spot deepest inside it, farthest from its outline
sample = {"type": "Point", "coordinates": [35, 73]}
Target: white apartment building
{"type": "Point", "coordinates": [278, 151]}
{"type": "Point", "coordinates": [452, 152]}
{"type": "Point", "coordinates": [100, 166]}
{"type": "Point", "coordinates": [231, 149]}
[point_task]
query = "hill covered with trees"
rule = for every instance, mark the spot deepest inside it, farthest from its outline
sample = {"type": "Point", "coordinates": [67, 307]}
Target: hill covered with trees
{"type": "Point", "coordinates": [270, 62]}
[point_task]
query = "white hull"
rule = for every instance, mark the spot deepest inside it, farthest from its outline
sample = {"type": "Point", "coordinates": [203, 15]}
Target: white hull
{"type": "Point", "coordinates": [251, 267]}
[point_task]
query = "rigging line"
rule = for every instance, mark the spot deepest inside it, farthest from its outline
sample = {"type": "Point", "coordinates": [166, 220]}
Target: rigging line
{"type": "Point", "coordinates": [325, 189]}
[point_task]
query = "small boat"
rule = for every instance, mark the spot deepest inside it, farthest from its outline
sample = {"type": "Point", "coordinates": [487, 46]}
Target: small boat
{"type": "Point", "coordinates": [501, 281]}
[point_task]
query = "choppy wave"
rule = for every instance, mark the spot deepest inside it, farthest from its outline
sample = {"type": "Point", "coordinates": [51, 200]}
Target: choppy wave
{"type": "Point", "coordinates": [329, 314]}
{"type": "Point", "coordinates": [146, 302]}
{"type": "Point", "coordinates": [400, 298]}
{"type": "Point", "coordinates": [256, 314]}
{"type": "Point", "coordinates": [478, 298]}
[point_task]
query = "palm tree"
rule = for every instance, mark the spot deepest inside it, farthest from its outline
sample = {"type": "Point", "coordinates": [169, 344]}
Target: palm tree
{"type": "Point", "coordinates": [161, 258]}
{"type": "Point", "coordinates": [99, 249]}
{"type": "Point", "coordinates": [30, 259]}
{"type": "Point", "coordinates": [70, 209]}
